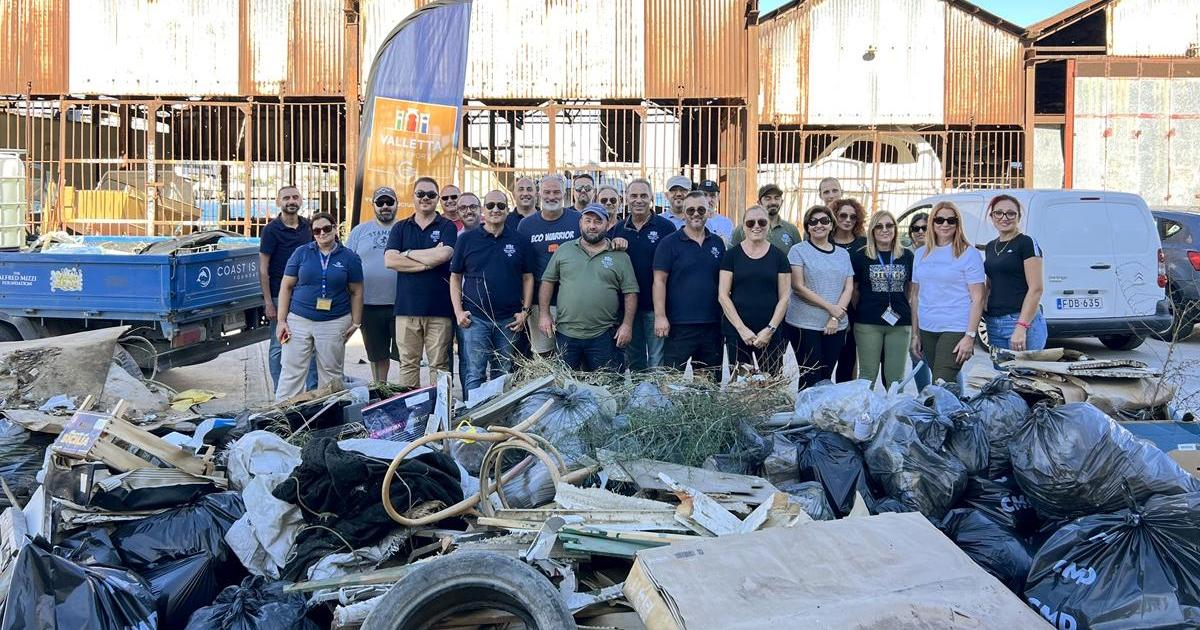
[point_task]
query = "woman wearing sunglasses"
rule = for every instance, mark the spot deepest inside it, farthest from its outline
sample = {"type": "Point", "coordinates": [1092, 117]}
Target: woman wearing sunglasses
{"type": "Point", "coordinates": [753, 288]}
{"type": "Point", "coordinates": [1013, 264]}
{"type": "Point", "coordinates": [882, 328]}
{"type": "Point", "coordinates": [320, 308]}
{"type": "Point", "coordinates": [849, 233]}
{"type": "Point", "coordinates": [917, 230]}
{"type": "Point", "coordinates": [822, 284]}
{"type": "Point", "coordinates": [947, 295]}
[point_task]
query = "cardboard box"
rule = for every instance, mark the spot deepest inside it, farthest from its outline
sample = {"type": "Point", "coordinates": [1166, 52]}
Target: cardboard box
{"type": "Point", "coordinates": [1188, 457]}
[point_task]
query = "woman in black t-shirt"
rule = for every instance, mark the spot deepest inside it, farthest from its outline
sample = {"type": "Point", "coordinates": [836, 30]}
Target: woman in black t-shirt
{"type": "Point", "coordinates": [1013, 264]}
{"type": "Point", "coordinates": [883, 319]}
{"type": "Point", "coordinates": [753, 289]}
{"type": "Point", "coordinates": [850, 220]}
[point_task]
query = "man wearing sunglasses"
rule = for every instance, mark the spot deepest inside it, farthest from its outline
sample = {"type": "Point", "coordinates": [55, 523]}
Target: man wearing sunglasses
{"type": "Point", "coordinates": [583, 189]}
{"type": "Point", "coordinates": [369, 240]}
{"type": "Point", "coordinates": [780, 233]}
{"type": "Point", "coordinates": [286, 232]}
{"type": "Point", "coordinates": [419, 248]}
{"type": "Point", "coordinates": [450, 194]}
{"type": "Point", "coordinates": [686, 312]}
{"type": "Point", "coordinates": [641, 234]}
{"type": "Point", "coordinates": [677, 188]}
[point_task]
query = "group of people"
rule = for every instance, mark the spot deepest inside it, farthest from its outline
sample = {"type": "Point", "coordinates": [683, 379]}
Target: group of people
{"type": "Point", "coordinates": [595, 275]}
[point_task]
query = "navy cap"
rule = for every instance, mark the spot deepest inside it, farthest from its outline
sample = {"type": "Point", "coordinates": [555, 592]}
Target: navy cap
{"type": "Point", "coordinates": [708, 186]}
{"type": "Point", "coordinates": [384, 191]}
{"type": "Point", "coordinates": [597, 210]}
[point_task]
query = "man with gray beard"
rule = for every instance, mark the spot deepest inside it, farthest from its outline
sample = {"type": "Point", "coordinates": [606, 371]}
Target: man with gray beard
{"type": "Point", "coordinates": [544, 232]}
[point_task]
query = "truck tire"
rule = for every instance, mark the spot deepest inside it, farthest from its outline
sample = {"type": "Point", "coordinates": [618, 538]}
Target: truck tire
{"type": "Point", "coordinates": [1121, 342]}
{"type": "Point", "coordinates": [468, 581]}
{"type": "Point", "coordinates": [8, 333]}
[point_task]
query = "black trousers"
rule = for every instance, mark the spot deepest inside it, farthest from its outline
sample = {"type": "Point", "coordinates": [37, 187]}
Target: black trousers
{"type": "Point", "coordinates": [817, 354]}
{"type": "Point", "coordinates": [847, 362]}
{"type": "Point", "coordinates": [699, 342]}
{"type": "Point", "coordinates": [770, 358]}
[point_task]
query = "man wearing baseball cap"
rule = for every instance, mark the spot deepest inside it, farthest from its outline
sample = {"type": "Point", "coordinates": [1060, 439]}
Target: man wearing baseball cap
{"type": "Point", "coordinates": [592, 279]}
{"type": "Point", "coordinates": [677, 188]}
{"type": "Point", "coordinates": [780, 233]}
{"type": "Point", "coordinates": [718, 224]}
{"type": "Point", "coordinates": [369, 241]}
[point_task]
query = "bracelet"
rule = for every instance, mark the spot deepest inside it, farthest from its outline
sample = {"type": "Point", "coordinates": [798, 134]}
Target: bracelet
{"type": "Point", "coordinates": [1023, 324]}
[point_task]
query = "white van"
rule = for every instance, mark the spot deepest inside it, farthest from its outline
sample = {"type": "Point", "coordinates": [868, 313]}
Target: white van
{"type": "Point", "coordinates": [1105, 275]}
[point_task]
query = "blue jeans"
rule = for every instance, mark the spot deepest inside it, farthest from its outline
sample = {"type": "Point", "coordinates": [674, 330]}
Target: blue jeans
{"type": "Point", "coordinates": [484, 342]}
{"type": "Point", "coordinates": [645, 350]}
{"type": "Point", "coordinates": [275, 363]}
{"type": "Point", "coordinates": [589, 355]}
{"type": "Point", "coordinates": [1000, 331]}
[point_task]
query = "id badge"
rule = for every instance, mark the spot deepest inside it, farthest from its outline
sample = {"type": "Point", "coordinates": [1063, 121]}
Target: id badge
{"type": "Point", "coordinates": [324, 304]}
{"type": "Point", "coordinates": [890, 317]}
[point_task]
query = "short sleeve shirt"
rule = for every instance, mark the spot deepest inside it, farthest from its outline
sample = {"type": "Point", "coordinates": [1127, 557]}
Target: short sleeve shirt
{"type": "Point", "coordinates": [1004, 264]}
{"type": "Point", "coordinates": [369, 241]}
{"type": "Point", "coordinates": [642, 245]}
{"type": "Point", "coordinates": [424, 293]}
{"type": "Point", "coordinates": [782, 236]}
{"type": "Point", "coordinates": [544, 236]}
{"type": "Point", "coordinates": [315, 280]}
{"type": "Point", "coordinates": [754, 289]}
{"type": "Point", "coordinates": [279, 241]}
{"type": "Point", "coordinates": [589, 288]}
{"type": "Point", "coordinates": [943, 287]}
{"type": "Point", "coordinates": [720, 225]}
{"type": "Point", "coordinates": [825, 273]}
{"type": "Point", "coordinates": [491, 267]}
{"type": "Point", "coordinates": [882, 282]}
{"type": "Point", "coordinates": [692, 271]}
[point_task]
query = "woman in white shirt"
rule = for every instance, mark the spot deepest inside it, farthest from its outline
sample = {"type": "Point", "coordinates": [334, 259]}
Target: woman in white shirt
{"type": "Point", "coordinates": [947, 295]}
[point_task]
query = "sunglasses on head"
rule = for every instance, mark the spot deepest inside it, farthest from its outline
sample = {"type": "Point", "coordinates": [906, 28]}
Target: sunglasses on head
{"type": "Point", "coordinates": [946, 220]}
{"type": "Point", "coordinates": [753, 223]}
{"type": "Point", "coordinates": [916, 228]}
{"type": "Point", "coordinates": [449, 197]}
{"type": "Point", "coordinates": [384, 201]}
{"type": "Point", "coordinates": [819, 221]}
{"type": "Point", "coordinates": [695, 210]}
{"type": "Point", "coordinates": [885, 226]}
{"type": "Point", "coordinates": [491, 205]}
{"type": "Point", "coordinates": [425, 194]}
{"type": "Point", "coordinates": [322, 230]}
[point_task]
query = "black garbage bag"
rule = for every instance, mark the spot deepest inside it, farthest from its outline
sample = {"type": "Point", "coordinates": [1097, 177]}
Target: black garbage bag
{"type": "Point", "coordinates": [1002, 501]}
{"type": "Point", "coordinates": [183, 586]}
{"type": "Point", "coordinates": [256, 604]}
{"type": "Point", "coordinates": [52, 593]}
{"type": "Point", "coordinates": [750, 451]}
{"type": "Point", "coordinates": [911, 469]}
{"type": "Point", "coordinates": [888, 504]}
{"type": "Point", "coordinates": [89, 546]}
{"type": "Point", "coordinates": [998, 549]}
{"type": "Point", "coordinates": [967, 439]}
{"type": "Point", "coordinates": [812, 498]}
{"type": "Point", "coordinates": [1134, 568]}
{"type": "Point", "coordinates": [21, 456]}
{"type": "Point", "coordinates": [834, 462]}
{"type": "Point", "coordinates": [1073, 461]}
{"type": "Point", "coordinates": [1003, 411]}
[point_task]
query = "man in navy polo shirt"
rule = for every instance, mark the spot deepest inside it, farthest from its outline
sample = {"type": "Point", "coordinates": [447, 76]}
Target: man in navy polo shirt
{"type": "Point", "coordinates": [552, 226]}
{"type": "Point", "coordinates": [686, 312]}
{"type": "Point", "coordinates": [640, 236]}
{"type": "Point", "coordinates": [287, 231]}
{"type": "Point", "coordinates": [524, 202]}
{"type": "Point", "coordinates": [491, 288]}
{"type": "Point", "coordinates": [419, 248]}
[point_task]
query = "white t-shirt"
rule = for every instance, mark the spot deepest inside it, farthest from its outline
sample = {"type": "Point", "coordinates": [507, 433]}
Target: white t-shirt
{"type": "Point", "coordinates": [944, 297]}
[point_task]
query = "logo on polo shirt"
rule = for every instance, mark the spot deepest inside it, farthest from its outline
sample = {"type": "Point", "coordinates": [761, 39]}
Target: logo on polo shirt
{"type": "Point", "coordinates": [509, 250]}
{"type": "Point", "coordinates": [339, 265]}
{"type": "Point", "coordinates": [786, 238]}
{"type": "Point", "coordinates": [716, 252]}
{"type": "Point", "coordinates": [607, 261]}
{"type": "Point", "coordinates": [652, 236]}
{"type": "Point", "coordinates": [435, 235]}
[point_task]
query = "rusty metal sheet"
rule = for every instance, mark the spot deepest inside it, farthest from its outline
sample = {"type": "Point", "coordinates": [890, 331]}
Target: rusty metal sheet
{"type": "Point", "coordinates": [315, 48]}
{"type": "Point", "coordinates": [266, 36]}
{"type": "Point", "coordinates": [32, 49]}
{"type": "Point", "coordinates": [1154, 27]}
{"type": "Point", "coordinates": [695, 49]}
{"type": "Point", "coordinates": [783, 77]}
{"type": "Point", "coordinates": [185, 47]}
{"type": "Point", "coordinates": [985, 81]}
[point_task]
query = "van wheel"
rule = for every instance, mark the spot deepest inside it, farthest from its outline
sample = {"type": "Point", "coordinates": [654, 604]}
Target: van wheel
{"type": "Point", "coordinates": [981, 335]}
{"type": "Point", "coordinates": [1121, 342]}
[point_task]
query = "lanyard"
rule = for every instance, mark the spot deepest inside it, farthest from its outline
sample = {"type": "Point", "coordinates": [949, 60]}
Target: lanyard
{"type": "Point", "coordinates": [887, 273]}
{"type": "Point", "coordinates": [324, 269]}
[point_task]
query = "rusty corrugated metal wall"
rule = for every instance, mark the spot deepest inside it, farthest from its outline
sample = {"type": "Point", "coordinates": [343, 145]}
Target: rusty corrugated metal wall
{"type": "Point", "coordinates": [695, 49]}
{"type": "Point", "coordinates": [33, 52]}
{"type": "Point", "coordinates": [1154, 27]}
{"type": "Point", "coordinates": [783, 76]}
{"type": "Point", "coordinates": [985, 79]}
{"type": "Point", "coordinates": [315, 48]}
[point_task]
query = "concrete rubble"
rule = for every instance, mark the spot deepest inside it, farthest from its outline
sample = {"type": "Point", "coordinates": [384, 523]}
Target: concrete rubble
{"type": "Point", "coordinates": [566, 499]}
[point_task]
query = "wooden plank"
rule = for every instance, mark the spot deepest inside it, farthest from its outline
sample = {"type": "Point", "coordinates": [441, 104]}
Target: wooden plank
{"type": "Point", "coordinates": [155, 446]}
{"type": "Point", "coordinates": [701, 512]}
{"type": "Point", "coordinates": [724, 488]}
{"type": "Point", "coordinates": [642, 537]}
{"type": "Point", "coordinates": [497, 408]}
{"type": "Point", "coordinates": [117, 457]}
{"type": "Point", "coordinates": [575, 498]}
{"type": "Point", "coordinates": [379, 576]}
{"type": "Point", "coordinates": [622, 520]}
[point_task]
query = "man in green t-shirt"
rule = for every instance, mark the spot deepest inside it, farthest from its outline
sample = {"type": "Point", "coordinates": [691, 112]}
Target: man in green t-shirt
{"type": "Point", "coordinates": [592, 280]}
{"type": "Point", "coordinates": [780, 233]}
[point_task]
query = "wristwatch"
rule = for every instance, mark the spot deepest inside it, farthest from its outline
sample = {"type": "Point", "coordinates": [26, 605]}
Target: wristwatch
{"type": "Point", "coordinates": [771, 328]}
{"type": "Point", "coordinates": [970, 333]}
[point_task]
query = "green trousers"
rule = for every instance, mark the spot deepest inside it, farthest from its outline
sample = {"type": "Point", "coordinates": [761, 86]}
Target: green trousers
{"type": "Point", "coordinates": [881, 343]}
{"type": "Point", "coordinates": [938, 348]}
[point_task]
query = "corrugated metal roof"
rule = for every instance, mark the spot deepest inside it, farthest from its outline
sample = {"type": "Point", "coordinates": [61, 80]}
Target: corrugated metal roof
{"type": "Point", "coordinates": [695, 49]}
{"type": "Point", "coordinates": [783, 77]}
{"type": "Point", "coordinates": [148, 47]}
{"type": "Point", "coordinates": [1065, 18]}
{"type": "Point", "coordinates": [316, 47]}
{"type": "Point", "coordinates": [985, 79]}
{"type": "Point", "coordinates": [1154, 27]}
{"type": "Point", "coordinates": [33, 53]}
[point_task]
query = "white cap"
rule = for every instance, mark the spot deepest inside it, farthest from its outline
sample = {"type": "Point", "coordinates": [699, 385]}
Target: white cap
{"type": "Point", "coordinates": [679, 181]}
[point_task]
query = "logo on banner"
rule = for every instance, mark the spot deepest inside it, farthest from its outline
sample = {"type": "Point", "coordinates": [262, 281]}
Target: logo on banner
{"type": "Point", "coordinates": [412, 121]}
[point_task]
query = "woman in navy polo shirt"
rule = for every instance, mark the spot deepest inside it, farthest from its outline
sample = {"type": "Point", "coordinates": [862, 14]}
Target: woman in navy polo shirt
{"type": "Point", "coordinates": [320, 307]}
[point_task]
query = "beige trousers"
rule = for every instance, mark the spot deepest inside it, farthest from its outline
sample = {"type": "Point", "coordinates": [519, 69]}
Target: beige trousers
{"type": "Point", "coordinates": [327, 339]}
{"type": "Point", "coordinates": [417, 336]}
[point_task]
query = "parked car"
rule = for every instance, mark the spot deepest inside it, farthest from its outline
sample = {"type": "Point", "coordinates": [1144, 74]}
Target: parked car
{"type": "Point", "coordinates": [1105, 270]}
{"type": "Point", "coordinates": [1179, 229]}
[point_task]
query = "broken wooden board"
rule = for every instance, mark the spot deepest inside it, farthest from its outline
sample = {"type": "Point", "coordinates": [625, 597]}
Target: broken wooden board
{"type": "Point", "coordinates": [700, 512]}
{"type": "Point", "coordinates": [616, 520]}
{"type": "Point", "coordinates": [91, 435]}
{"type": "Point", "coordinates": [573, 497]}
{"type": "Point", "coordinates": [725, 488]}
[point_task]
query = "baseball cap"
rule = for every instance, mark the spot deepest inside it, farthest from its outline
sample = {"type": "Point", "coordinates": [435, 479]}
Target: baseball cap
{"type": "Point", "coordinates": [709, 186]}
{"type": "Point", "coordinates": [384, 191]}
{"type": "Point", "coordinates": [767, 189]}
{"type": "Point", "coordinates": [597, 210]}
{"type": "Point", "coordinates": [679, 181]}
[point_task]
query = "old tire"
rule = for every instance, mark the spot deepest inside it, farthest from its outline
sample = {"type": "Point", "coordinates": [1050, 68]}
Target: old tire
{"type": "Point", "coordinates": [469, 581]}
{"type": "Point", "coordinates": [1121, 342]}
{"type": "Point", "coordinates": [981, 336]}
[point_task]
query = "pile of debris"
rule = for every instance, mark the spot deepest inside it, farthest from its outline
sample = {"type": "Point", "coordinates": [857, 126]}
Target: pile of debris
{"type": "Point", "coordinates": [549, 502]}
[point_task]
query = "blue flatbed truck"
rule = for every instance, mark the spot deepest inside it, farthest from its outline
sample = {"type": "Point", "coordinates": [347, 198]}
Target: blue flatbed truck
{"type": "Point", "coordinates": [186, 300]}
